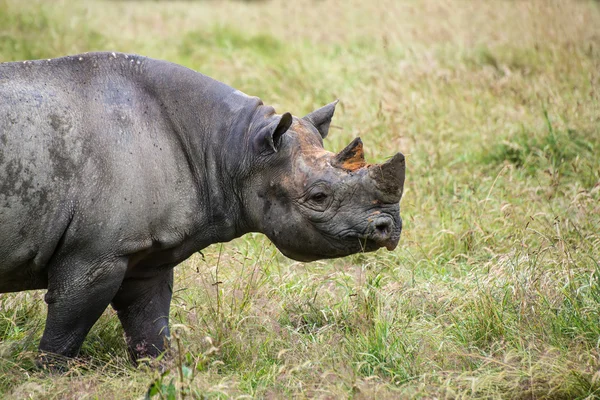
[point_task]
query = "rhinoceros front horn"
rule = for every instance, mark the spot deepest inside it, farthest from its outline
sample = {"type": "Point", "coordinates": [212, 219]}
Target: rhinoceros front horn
{"type": "Point", "coordinates": [389, 177]}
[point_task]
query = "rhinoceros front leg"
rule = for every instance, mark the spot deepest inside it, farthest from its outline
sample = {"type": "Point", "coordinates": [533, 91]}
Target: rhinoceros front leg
{"type": "Point", "coordinates": [78, 292]}
{"type": "Point", "coordinates": [142, 305]}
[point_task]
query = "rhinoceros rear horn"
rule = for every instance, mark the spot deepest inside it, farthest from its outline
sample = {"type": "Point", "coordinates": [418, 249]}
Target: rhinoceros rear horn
{"type": "Point", "coordinates": [351, 158]}
{"type": "Point", "coordinates": [321, 118]}
{"type": "Point", "coordinates": [389, 177]}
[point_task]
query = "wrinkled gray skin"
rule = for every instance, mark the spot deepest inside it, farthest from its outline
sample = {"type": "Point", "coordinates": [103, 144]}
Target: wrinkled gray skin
{"type": "Point", "coordinates": [115, 168]}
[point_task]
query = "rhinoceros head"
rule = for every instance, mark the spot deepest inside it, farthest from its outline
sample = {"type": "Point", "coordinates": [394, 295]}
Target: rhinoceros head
{"type": "Point", "coordinates": [315, 204]}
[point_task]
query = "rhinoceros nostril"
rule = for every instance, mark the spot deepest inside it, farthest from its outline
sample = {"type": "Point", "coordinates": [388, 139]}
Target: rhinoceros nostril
{"type": "Point", "coordinates": [383, 227]}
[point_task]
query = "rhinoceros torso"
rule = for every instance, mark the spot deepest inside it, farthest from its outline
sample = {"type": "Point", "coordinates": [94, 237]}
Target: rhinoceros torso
{"type": "Point", "coordinates": [97, 153]}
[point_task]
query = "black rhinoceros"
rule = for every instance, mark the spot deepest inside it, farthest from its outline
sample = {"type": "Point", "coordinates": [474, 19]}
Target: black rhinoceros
{"type": "Point", "coordinates": [114, 168]}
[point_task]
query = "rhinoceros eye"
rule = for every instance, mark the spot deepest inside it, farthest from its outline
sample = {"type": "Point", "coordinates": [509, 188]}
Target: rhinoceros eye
{"type": "Point", "coordinates": [318, 197]}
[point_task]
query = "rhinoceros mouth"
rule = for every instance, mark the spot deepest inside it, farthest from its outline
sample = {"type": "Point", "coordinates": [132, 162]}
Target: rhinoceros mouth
{"type": "Point", "coordinates": [369, 244]}
{"type": "Point", "coordinates": [364, 243]}
{"type": "Point", "coordinates": [351, 245]}
{"type": "Point", "coordinates": [376, 237]}
{"type": "Point", "coordinates": [344, 244]}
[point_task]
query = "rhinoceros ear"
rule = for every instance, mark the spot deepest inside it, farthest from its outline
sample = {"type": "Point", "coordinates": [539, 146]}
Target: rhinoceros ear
{"type": "Point", "coordinates": [269, 139]}
{"type": "Point", "coordinates": [321, 118]}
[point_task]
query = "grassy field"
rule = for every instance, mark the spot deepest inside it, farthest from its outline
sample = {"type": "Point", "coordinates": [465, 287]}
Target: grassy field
{"type": "Point", "coordinates": [494, 290]}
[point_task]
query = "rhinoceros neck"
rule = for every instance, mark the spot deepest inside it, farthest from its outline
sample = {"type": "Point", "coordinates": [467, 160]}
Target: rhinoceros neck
{"type": "Point", "coordinates": [210, 120]}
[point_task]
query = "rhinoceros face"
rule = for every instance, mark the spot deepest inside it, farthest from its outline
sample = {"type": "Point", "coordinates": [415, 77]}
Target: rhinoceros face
{"type": "Point", "coordinates": [315, 204]}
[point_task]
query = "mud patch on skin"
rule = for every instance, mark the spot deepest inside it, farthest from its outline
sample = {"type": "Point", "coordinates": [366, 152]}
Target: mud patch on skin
{"type": "Point", "coordinates": [65, 149]}
{"type": "Point", "coordinates": [63, 165]}
{"type": "Point", "coordinates": [309, 141]}
{"type": "Point", "coordinates": [60, 124]}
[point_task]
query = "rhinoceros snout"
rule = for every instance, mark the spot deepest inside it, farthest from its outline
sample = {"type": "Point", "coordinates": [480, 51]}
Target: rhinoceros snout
{"type": "Point", "coordinates": [385, 232]}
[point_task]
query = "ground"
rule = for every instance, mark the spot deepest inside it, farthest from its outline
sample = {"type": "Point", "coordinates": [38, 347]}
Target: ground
{"type": "Point", "coordinates": [494, 290]}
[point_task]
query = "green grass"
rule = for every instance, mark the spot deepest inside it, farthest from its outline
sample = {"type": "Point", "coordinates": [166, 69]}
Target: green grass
{"type": "Point", "coordinates": [494, 291]}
